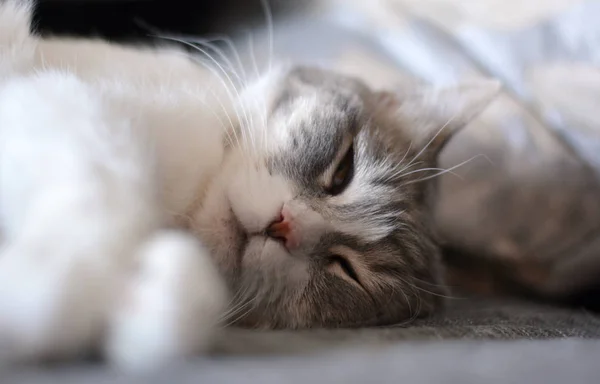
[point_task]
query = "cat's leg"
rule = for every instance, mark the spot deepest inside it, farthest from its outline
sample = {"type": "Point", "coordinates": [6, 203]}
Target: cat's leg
{"type": "Point", "coordinates": [73, 207]}
{"type": "Point", "coordinates": [82, 247]}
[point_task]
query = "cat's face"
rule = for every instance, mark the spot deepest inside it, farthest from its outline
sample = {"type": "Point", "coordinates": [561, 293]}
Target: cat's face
{"type": "Point", "coordinates": [317, 217]}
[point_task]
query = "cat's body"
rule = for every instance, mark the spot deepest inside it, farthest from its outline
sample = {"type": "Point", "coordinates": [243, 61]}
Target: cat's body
{"type": "Point", "coordinates": [304, 189]}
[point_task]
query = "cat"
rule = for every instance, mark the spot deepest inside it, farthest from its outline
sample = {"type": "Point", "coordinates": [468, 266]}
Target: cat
{"type": "Point", "coordinates": [146, 200]}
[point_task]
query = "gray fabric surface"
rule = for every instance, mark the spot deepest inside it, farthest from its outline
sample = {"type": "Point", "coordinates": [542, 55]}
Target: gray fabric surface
{"type": "Point", "coordinates": [551, 361]}
{"type": "Point", "coordinates": [484, 342]}
{"type": "Point", "coordinates": [463, 319]}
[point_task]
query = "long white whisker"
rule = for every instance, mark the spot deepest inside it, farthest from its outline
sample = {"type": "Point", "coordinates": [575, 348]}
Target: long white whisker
{"type": "Point", "coordinates": [428, 169]}
{"type": "Point", "coordinates": [432, 139]}
{"type": "Point", "coordinates": [218, 117]}
{"type": "Point", "coordinates": [234, 307]}
{"type": "Point", "coordinates": [399, 172]}
{"type": "Point", "coordinates": [406, 153]}
{"type": "Point", "coordinates": [414, 286]}
{"type": "Point", "coordinates": [242, 315]}
{"type": "Point", "coordinates": [220, 67]}
{"type": "Point", "coordinates": [208, 43]}
{"type": "Point", "coordinates": [269, 21]}
{"type": "Point", "coordinates": [252, 54]}
{"type": "Point", "coordinates": [444, 171]}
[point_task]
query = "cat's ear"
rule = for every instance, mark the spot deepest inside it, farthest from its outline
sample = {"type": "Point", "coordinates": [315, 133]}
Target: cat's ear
{"type": "Point", "coordinates": [432, 115]}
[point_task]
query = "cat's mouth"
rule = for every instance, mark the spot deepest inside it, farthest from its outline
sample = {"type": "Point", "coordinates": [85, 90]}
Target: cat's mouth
{"type": "Point", "coordinates": [245, 239]}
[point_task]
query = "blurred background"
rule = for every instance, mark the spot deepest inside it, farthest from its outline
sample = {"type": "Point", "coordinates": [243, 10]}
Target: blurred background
{"type": "Point", "coordinates": [524, 215]}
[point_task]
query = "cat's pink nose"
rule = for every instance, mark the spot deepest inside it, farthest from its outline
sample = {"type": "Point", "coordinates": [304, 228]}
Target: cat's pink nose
{"type": "Point", "coordinates": [282, 229]}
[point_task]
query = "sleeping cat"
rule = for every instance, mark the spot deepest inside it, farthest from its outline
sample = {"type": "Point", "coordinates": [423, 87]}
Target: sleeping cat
{"type": "Point", "coordinates": [146, 200]}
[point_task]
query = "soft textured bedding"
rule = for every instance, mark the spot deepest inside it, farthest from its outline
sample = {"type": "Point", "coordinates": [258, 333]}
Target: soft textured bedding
{"type": "Point", "coordinates": [542, 362]}
{"type": "Point", "coordinates": [483, 341]}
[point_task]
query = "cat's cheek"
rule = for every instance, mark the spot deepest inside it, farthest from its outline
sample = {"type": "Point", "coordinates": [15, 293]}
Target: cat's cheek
{"type": "Point", "coordinates": [272, 262]}
{"type": "Point", "coordinates": [215, 225]}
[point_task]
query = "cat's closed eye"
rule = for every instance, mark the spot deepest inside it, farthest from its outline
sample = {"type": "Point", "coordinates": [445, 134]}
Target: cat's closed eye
{"type": "Point", "coordinates": [343, 173]}
{"type": "Point", "coordinates": [340, 265]}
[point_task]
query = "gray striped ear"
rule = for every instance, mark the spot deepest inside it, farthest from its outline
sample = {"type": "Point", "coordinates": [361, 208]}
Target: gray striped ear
{"type": "Point", "coordinates": [433, 115]}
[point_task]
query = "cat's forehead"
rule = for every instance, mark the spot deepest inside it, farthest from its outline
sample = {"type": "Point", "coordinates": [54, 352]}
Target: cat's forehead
{"type": "Point", "coordinates": [312, 113]}
{"type": "Point", "coordinates": [322, 79]}
{"type": "Point", "coordinates": [330, 90]}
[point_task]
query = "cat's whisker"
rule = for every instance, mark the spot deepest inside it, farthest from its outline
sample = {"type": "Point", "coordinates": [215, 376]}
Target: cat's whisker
{"type": "Point", "coordinates": [428, 170]}
{"type": "Point", "coordinates": [431, 284]}
{"type": "Point", "coordinates": [252, 54]}
{"type": "Point", "coordinates": [233, 130]}
{"type": "Point", "coordinates": [229, 94]}
{"type": "Point", "coordinates": [400, 171]}
{"type": "Point", "coordinates": [413, 315]}
{"type": "Point", "coordinates": [406, 153]}
{"type": "Point", "coordinates": [226, 81]}
{"type": "Point", "coordinates": [433, 138]}
{"type": "Point", "coordinates": [407, 300]}
{"type": "Point", "coordinates": [259, 132]}
{"type": "Point", "coordinates": [419, 308]}
{"type": "Point", "coordinates": [238, 70]}
{"type": "Point", "coordinates": [205, 42]}
{"type": "Point", "coordinates": [227, 131]}
{"type": "Point", "coordinates": [244, 298]}
{"type": "Point", "coordinates": [208, 42]}
{"type": "Point", "coordinates": [252, 134]}
{"type": "Point", "coordinates": [239, 314]}
{"type": "Point", "coordinates": [265, 118]}
{"type": "Point", "coordinates": [244, 123]}
{"type": "Point", "coordinates": [414, 286]}
{"type": "Point", "coordinates": [241, 126]}
{"type": "Point", "coordinates": [269, 22]}
{"type": "Point", "coordinates": [218, 117]}
{"type": "Point", "coordinates": [247, 129]}
{"type": "Point", "coordinates": [232, 305]}
{"type": "Point", "coordinates": [417, 312]}
{"type": "Point", "coordinates": [224, 58]}
{"type": "Point", "coordinates": [390, 162]}
{"type": "Point", "coordinates": [235, 53]}
{"type": "Point", "coordinates": [449, 170]}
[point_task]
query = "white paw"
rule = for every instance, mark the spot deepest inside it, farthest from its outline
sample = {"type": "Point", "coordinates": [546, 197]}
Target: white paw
{"type": "Point", "coordinates": [171, 307]}
{"type": "Point", "coordinates": [50, 308]}
{"type": "Point", "coordinates": [60, 275]}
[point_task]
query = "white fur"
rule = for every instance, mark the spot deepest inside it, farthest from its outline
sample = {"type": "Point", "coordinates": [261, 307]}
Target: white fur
{"type": "Point", "coordinates": [158, 321]}
{"type": "Point", "coordinates": [84, 145]}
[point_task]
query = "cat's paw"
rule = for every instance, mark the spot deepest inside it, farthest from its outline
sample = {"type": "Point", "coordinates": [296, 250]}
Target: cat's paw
{"type": "Point", "coordinates": [52, 305]}
{"type": "Point", "coordinates": [171, 307]}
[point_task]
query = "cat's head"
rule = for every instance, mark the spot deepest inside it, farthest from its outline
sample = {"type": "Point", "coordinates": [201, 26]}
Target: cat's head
{"type": "Point", "coordinates": [318, 216]}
